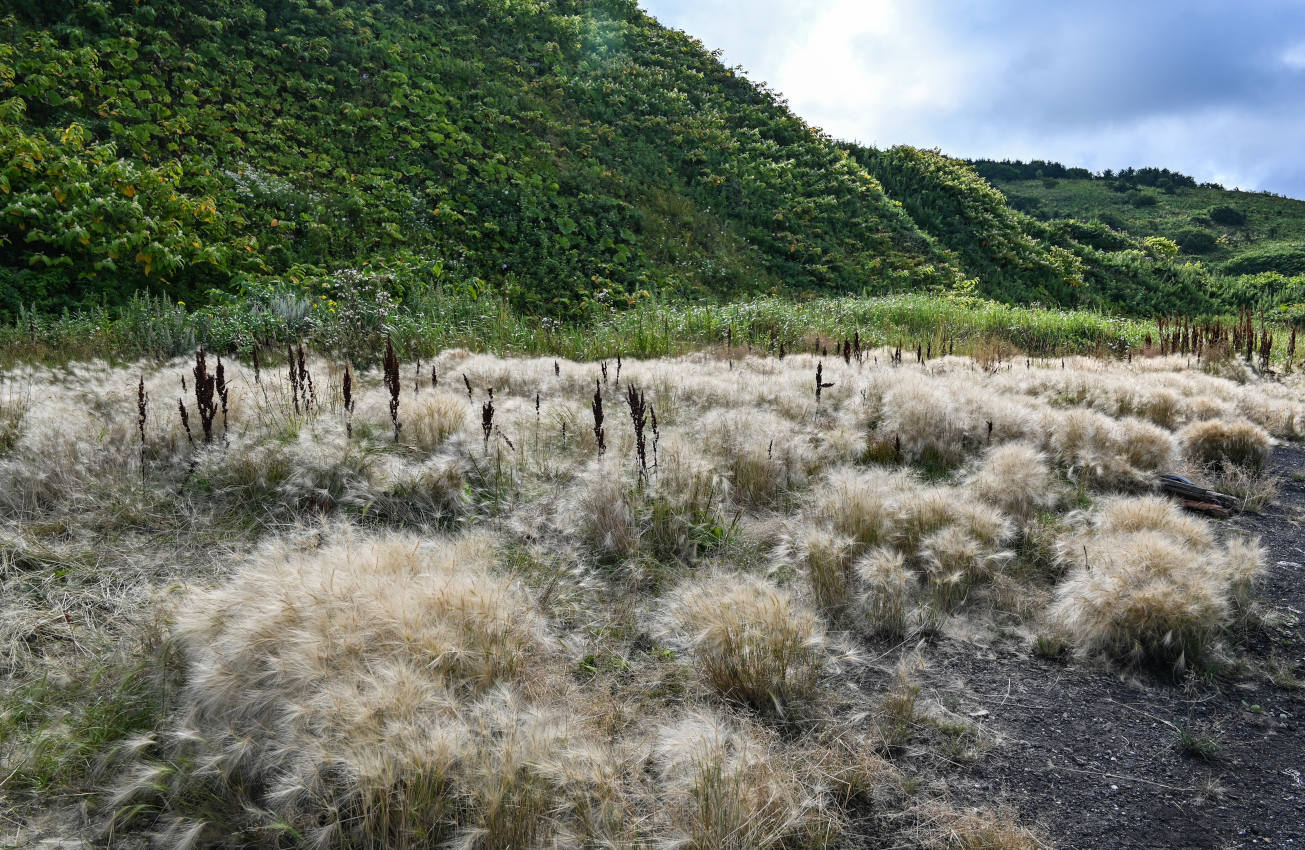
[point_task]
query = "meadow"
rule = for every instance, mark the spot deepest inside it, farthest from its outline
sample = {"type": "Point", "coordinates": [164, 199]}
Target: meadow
{"type": "Point", "coordinates": [483, 601]}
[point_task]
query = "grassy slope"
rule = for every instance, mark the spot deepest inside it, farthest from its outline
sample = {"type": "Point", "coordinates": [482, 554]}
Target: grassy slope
{"type": "Point", "coordinates": [564, 153]}
{"type": "Point", "coordinates": [1273, 223]}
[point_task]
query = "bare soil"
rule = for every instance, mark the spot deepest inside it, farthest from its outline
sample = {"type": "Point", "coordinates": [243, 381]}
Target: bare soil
{"type": "Point", "coordinates": [1092, 755]}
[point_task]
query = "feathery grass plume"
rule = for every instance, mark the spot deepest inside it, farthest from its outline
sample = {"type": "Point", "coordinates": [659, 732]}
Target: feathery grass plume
{"type": "Point", "coordinates": [932, 430]}
{"type": "Point", "coordinates": [1016, 479]}
{"type": "Point", "coordinates": [433, 419]}
{"type": "Point", "coordinates": [204, 386]}
{"type": "Point", "coordinates": [887, 592]}
{"type": "Point", "coordinates": [366, 694]}
{"type": "Point", "coordinates": [979, 829]}
{"type": "Point", "coordinates": [634, 397]}
{"type": "Point", "coordinates": [756, 644]}
{"type": "Point", "coordinates": [954, 560]}
{"type": "Point", "coordinates": [1145, 447]}
{"type": "Point", "coordinates": [392, 384]}
{"type": "Point", "coordinates": [827, 557]}
{"type": "Point", "coordinates": [346, 388]}
{"type": "Point", "coordinates": [862, 504]}
{"type": "Point", "coordinates": [726, 788]}
{"type": "Point", "coordinates": [601, 512]}
{"type": "Point", "coordinates": [1143, 597]}
{"type": "Point", "coordinates": [1121, 514]}
{"type": "Point", "coordinates": [599, 433]}
{"type": "Point", "coordinates": [763, 455]}
{"type": "Point", "coordinates": [1237, 442]}
{"type": "Point", "coordinates": [684, 509]}
{"type": "Point", "coordinates": [1244, 559]}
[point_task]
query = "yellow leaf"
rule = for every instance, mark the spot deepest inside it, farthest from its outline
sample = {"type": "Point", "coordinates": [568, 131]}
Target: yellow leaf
{"type": "Point", "coordinates": [130, 191]}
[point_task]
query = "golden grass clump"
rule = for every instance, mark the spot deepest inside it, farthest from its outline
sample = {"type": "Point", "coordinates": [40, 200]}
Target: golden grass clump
{"type": "Point", "coordinates": [1144, 446]}
{"type": "Point", "coordinates": [728, 788]}
{"type": "Point", "coordinates": [862, 504]}
{"type": "Point", "coordinates": [761, 454]}
{"type": "Point", "coordinates": [1219, 441]}
{"type": "Point", "coordinates": [887, 592]}
{"type": "Point", "coordinates": [1123, 514]}
{"type": "Point", "coordinates": [954, 560]}
{"type": "Point", "coordinates": [756, 644]}
{"type": "Point", "coordinates": [1148, 583]}
{"type": "Point", "coordinates": [371, 694]}
{"type": "Point", "coordinates": [981, 829]}
{"type": "Point", "coordinates": [827, 557]}
{"type": "Point", "coordinates": [432, 418]}
{"type": "Point", "coordinates": [602, 511]}
{"type": "Point", "coordinates": [1015, 478]}
{"type": "Point", "coordinates": [1143, 597]}
{"type": "Point", "coordinates": [1245, 566]}
{"type": "Point", "coordinates": [929, 424]}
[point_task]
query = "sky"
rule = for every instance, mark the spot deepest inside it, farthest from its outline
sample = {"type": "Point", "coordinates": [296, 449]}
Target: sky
{"type": "Point", "coordinates": [1211, 89]}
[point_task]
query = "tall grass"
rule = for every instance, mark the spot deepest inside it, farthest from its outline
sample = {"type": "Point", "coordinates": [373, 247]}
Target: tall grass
{"type": "Point", "coordinates": [153, 326]}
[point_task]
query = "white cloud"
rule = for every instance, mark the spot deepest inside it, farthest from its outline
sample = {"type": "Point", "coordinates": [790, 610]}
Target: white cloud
{"type": "Point", "coordinates": [865, 67]}
{"type": "Point", "coordinates": [1294, 57]}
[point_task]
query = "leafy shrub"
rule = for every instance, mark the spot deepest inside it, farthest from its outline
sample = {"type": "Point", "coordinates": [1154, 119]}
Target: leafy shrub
{"type": "Point", "coordinates": [1192, 240]}
{"type": "Point", "coordinates": [1284, 260]}
{"type": "Point", "coordinates": [1227, 216]}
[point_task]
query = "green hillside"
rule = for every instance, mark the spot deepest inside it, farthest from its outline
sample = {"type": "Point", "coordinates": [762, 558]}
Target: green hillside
{"type": "Point", "coordinates": [1234, 233]}
{"type": "Point", "coordinates": [571, 155]}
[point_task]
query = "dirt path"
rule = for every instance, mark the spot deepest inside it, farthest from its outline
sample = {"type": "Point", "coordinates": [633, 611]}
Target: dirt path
{"type": "Point", "coordinates": [1093, 756]}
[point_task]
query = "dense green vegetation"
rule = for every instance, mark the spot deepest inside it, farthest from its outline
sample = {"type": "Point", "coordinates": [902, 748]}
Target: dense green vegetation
{"type": "Point", "coordinates": [443, 318]}
{"type": "Point", "coordinates": [1237, 237]}
{"type": "Point", "coordinates": [566, 155]}
{"type": "Point", "coordinates": [556, 150]}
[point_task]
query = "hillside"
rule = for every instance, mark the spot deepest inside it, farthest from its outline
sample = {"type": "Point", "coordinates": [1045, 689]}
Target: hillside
{"type": "Point", "coordinates": [1231, 231]}
{"type": "Point", "coordinates": [572, 155]}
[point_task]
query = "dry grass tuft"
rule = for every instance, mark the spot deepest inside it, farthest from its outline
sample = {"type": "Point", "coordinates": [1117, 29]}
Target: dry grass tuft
{"type": "Point", "coordinates": [888, 592]}
{"type": "Point", "coordinates": [981, 829]}
{"type": "Point", "coordinates": [1237, 442]}
{"type": "Point", "coordinates": [1143, 597]}
{"type": "Point", "coordinates": [1016, 479]}
{"type": "Point", "coordinates": [729, 789]}
{"type": "Point", "coordinates": [368, 693]}
{"type": "Point", "coordinates": [755, 643]}
{"type": "Point", "coordinates": [827, 557]}
{"type": "Point", "coordinates": [433, 418]}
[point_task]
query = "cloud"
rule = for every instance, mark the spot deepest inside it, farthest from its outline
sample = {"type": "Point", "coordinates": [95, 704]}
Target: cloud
{"type": "Point", "coordinates": [1210, 88]}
